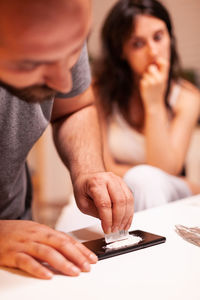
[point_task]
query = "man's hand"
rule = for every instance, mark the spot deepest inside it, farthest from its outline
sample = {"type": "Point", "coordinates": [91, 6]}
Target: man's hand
{"type": "Point", "coordinates": [106, 196]}
{"type": "Point", "coordinates": [26, 245]}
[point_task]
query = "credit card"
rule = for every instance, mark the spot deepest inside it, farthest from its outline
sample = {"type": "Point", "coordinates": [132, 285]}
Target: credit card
{"type": "Point", "coordinates": [116, 236]}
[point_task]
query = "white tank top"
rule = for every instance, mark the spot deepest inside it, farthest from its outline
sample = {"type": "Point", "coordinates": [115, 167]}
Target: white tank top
{"type": "Point", "coordinates": [126, 144]}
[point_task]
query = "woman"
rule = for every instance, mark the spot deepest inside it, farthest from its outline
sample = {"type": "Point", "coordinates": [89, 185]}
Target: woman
{"type": "Point", "coordinates": [147, 111]}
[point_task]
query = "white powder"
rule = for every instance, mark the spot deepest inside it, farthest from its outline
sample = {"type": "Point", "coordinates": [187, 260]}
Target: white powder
{"type": "Point", "coordinates": [128, 241]}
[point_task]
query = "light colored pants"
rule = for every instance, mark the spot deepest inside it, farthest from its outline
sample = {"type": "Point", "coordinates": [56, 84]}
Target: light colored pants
{"type": "Point", "coordinates": [152, 187]}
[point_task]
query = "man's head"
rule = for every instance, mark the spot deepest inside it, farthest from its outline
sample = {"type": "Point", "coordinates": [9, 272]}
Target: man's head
{"type": "Point", "coordinates": [40, 41]}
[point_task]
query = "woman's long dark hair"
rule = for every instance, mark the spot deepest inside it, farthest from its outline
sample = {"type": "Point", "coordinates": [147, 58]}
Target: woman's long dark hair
{"type": "Point", "coordinates": [113, 76]}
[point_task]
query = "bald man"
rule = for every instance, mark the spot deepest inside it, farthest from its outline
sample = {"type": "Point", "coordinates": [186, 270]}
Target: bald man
{"type": "Point", "coordinates": [44, 77]}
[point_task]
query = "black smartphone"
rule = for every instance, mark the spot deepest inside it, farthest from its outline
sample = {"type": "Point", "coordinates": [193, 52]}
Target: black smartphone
{"type": "Point", "coordinates": [148, 239]}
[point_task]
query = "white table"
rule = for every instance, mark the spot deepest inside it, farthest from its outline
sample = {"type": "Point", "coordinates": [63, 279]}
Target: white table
{"type": "Point", "coordinates": [168, 271]}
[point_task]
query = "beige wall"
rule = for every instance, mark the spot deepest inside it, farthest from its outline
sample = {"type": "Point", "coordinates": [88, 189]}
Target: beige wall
{"type": "Point", "coordinates": [100, 8]}
{"type": "Point", "coordinates": [51, 178]}
{"type": "Point", "coordinates": [186, 18]}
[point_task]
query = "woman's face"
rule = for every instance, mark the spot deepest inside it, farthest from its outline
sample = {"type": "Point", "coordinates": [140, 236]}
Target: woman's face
{"type": "Point", "coordinates": [149, 41]}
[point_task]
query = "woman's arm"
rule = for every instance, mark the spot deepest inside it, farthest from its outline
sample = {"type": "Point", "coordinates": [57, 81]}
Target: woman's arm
{"type": "Point", "coordinates": [110, 163]}
{"type": "Point", "coordinates": [167, 142]}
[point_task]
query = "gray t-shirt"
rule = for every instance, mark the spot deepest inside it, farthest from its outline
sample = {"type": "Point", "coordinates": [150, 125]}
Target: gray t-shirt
{"type": "Point", "coordinates": [21, 125]}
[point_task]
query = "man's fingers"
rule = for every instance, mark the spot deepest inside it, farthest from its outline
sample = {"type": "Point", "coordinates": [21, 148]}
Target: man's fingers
{"type": "Point", "coordinates": [30, 265]}
{"type": "Point", "coordinates": [75, 255]}
{"type": "Point", "coordinates": [118, 198]}
{"type": "Point", "coordinates": [101, 198]}
{"type": "Point", "coordinates": [128, 225]}
{"type": "Point", "coordinates": [114, 202]}
{"type": "Point", "coordinates": [66, 247]}
{"type": "Point", "coordinates": [89, 254]}
{"type": "Point", "coordinates": [66, 264]}
{"type": "Point", "coordinates": [111, 197]}
{"type": "Point", "coordinates": [87, 206]}
{"type": "Point", "coordinates": [74, 258]}
{"type": "Point", "coordinates": [58, 240]}
{"type": "Point", "coordinates": [128, 216]}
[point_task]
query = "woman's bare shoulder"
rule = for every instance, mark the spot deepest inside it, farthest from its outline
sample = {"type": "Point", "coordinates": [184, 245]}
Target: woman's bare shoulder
{"type": "Point", "coordinates": [188, 102]}
{"type": "Point", "coordinates": [189, 89]}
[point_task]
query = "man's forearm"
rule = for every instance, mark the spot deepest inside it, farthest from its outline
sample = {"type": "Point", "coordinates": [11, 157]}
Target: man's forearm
{"type": "Point", "coordinates": [78, 142]}
{"type": "Point", "coordinates": [98, 193]}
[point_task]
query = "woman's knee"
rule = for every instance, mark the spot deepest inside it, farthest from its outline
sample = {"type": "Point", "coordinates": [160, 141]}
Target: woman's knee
{"type": "Point", "coordinates": [144, 175]}
{"type": "Point", "coordinates": [148, 185]}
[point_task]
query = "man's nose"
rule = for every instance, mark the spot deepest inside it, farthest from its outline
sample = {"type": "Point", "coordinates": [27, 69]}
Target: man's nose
{"type": "Point", "coordinates": [58, 77]}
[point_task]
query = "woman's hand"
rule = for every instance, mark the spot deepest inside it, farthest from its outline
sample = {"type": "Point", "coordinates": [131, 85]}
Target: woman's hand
{"type": "Point", "coordinates": [26, 245]}
{"type": "Point", "coordinates": [154, 83]}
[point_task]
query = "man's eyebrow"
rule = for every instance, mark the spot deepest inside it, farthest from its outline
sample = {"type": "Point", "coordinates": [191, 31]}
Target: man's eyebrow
{"type": "Point", "coordinates": [34, 62]}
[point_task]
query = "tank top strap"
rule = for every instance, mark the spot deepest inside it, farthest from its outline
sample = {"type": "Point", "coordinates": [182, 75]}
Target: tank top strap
{"type": "Point", "coordinates": [174, 94]}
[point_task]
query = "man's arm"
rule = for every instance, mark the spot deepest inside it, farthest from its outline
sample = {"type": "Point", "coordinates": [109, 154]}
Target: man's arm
{"type": "Point", "coordinates": [77, 138]}
{"type": "Point", "coordinates": [26, 245]}
{"type": "Point", "coordinates": [78, 143]}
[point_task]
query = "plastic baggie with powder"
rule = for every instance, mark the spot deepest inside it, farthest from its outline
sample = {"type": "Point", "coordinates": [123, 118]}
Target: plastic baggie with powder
{"type": "Point", "coordinates": [189, 234]}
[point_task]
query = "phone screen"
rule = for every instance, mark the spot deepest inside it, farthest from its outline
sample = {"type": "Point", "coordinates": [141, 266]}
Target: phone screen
{"type": "Point", "coordinates": [148, 240]}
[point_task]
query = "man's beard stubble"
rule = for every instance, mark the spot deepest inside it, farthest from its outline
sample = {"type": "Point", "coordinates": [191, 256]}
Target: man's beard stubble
{"type": "Point", "coordinates": [32, 94]}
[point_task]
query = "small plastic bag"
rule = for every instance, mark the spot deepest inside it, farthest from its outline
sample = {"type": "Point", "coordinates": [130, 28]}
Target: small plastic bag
{"type": "Point", "coordinates": [190, 234]}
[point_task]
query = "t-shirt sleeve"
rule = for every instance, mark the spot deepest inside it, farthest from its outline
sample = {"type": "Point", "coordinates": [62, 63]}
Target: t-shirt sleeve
{"type": "Point", "coordinates": [81, 75]}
